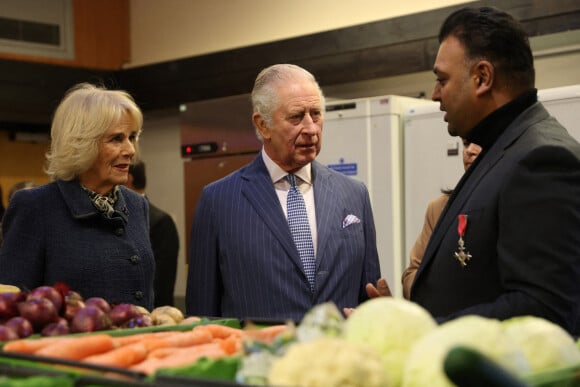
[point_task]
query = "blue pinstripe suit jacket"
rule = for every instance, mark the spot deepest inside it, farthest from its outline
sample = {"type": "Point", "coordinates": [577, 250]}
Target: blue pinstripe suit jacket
{"type": "Point", "coordinates": [243, 262]}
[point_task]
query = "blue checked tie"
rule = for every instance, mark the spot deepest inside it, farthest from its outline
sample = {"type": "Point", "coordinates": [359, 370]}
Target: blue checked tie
{"type": "Point", "coordinates": [298, 222]}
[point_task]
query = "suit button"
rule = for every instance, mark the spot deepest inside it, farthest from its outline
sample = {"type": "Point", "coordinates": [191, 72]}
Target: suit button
{"type": "Point", "coordinates": [119, 232]}
{"type": "Point", "coordinates": [135, 259]}
{"type": "Point", "coordinates": [139, 295]}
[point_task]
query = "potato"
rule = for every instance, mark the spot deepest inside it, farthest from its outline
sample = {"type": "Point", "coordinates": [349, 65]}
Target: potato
{"type": "Point", "coordinates": [166, 315]}
{"type": "Point", "coordinates": [9, 288]}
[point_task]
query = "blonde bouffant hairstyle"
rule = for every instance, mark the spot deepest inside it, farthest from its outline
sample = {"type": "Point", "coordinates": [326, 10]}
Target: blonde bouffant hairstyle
{"type": "Point", "coordinates": [83, 116]}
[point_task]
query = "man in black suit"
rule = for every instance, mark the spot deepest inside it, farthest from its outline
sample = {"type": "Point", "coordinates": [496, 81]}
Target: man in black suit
{"type": "Point", "coordinates": [508, 241]}
{"type": "Point", "coordinates": [164, 240]}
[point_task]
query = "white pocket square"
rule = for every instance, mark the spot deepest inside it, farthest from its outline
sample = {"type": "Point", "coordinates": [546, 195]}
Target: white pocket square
{"type": "Point", "coordinates": [350, 219]}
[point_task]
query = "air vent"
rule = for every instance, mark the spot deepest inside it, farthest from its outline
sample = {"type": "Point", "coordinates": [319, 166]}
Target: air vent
{"type": "Point", "coordinates": [37, 27]}
{"type": "Point", "coordinates": [31, 32]}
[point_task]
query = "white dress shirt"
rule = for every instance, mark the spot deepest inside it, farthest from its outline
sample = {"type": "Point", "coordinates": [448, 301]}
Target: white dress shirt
{"type": "Point", "coordinates": [304, 183]}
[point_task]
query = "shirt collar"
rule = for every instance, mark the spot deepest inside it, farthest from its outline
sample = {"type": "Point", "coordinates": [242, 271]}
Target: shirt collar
{"type": "Point", "coordinates": [277, 173]}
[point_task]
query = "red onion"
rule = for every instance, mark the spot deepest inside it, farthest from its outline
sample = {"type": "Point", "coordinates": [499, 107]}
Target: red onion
{"type": "Point", "coordinates": [21, 326]}
{"type": "Point", "coordinates": [73, 302]}
{"type": "Point", "coordinates": [99, 302]}
{"type": "Point", "coordinates": [9, 304]}
{"type": "Point", "coordinates": [7, 333]}
{"type": "Point", "coordinates": [49, 293]}
{"type": "Point", "coordinates": [122, 313]}
{"type": "Point", "coordinates": [89, 319]}
{"type": "Point", "coordinates": [58, 328]}
{"type": "Point", "coordinates": [143, 320]}
{"type": "Point", "coordinates": [39, 311]}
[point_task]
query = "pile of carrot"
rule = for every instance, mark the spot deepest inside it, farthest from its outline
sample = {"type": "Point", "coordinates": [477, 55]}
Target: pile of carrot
{"type": "Point", "coordinates": [147, 352]}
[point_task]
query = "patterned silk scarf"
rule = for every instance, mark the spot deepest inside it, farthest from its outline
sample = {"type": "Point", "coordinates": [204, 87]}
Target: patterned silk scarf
{"type": "Point", "coordinates": [104, 203]}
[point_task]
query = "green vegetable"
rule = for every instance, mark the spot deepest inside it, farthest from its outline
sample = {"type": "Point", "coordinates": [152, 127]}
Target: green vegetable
{"type": "Point", "coordinates": [220, 369]}
{"type": "Point", "coordinates": [390, 326]}
{"type": "Point", "coordinates": [545, 344]}
{"type": "Point", "coordinates": [37, 381]}
{"type": "Point", "coordinates": [467, 367]}
{"type": "Point", "coordinates": [424, 366]}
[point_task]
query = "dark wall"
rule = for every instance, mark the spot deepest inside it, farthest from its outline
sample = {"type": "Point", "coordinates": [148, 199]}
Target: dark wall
{"type": "Point", "coordinates": [29, 92]}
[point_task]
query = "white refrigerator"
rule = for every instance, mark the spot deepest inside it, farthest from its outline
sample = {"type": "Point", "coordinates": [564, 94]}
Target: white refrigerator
{"type": "Point", "coordinates": [433, 159]}
{"type": "Point", "coordinates": [362, 138]}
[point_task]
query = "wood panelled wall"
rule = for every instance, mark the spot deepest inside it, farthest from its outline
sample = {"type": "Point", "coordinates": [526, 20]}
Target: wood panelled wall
{"type": "Point", "coordinates": [101, 36]}
{"type": "Point", "coordinates": [20, 161]}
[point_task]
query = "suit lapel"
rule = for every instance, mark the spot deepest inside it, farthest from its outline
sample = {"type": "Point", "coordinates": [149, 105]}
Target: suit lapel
{"type": "Point", "coordinates": [452, 210]}
{"type": "Point", "coordinates": [325, 202]}
{"type": "Point", "coordinates": [258, 189]}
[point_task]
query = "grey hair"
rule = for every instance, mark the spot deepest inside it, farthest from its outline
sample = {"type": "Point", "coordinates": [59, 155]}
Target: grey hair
{"type": "Point", "coordinates": [264, 93]}
{"type": "Point", "coordinates": [83, 116]}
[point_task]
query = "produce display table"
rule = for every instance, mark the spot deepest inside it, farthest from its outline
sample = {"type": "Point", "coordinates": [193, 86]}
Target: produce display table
{"type": "Point", "coordinates": [24, 370]}
{"type": "Point", "coordinates": [463, 365]}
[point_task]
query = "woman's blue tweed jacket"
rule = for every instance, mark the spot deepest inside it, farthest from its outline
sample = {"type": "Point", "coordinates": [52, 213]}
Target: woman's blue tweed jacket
{"type": "Point", "coordinates": [54, 233]}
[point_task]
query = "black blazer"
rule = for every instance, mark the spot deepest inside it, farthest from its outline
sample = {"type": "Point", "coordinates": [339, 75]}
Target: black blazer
{"type": "Point", "coordinates": [165, 244]}
{"type": "Point", "coordinates": [523, 231]}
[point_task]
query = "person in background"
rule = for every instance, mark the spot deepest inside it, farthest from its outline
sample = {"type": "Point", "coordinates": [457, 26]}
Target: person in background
{"type": "Point", "coordinates": [164, 239]}
{"type": "Point", "coordinates": [20, 185]}
{"type": "Point", "coordinates": [16, 187]}
{"type": "Point", "coordinates": [244, 260]}
{"type": "Point", "coordinates": [508, 242]}
{"type": "Point", "coordinates": [84, 228]}
{"type": "Point", "coordinates": [434, 209]}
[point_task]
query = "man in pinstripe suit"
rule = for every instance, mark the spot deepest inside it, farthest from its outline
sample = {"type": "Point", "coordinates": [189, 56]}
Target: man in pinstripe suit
{"type": "Point", "coordinates": [243, 261]}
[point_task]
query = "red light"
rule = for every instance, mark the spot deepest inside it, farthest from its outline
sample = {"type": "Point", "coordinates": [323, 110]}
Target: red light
{"type": "Point", "coordinates": [188, 150]}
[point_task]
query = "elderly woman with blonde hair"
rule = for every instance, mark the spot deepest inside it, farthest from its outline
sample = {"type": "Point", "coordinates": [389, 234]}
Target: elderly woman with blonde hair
{"type": "Point", "coordinates": [84, 228]}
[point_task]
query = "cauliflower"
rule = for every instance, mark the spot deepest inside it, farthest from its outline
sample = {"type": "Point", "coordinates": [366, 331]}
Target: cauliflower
{"type": "Point", "coordinates": [328, 362]}
{"type": "Point", "coordinates": [545, 344]}
{"type": "Point", "coordinates": [322, 320]}
{"type": "Point", "coordinates": [425, 363]}
{"type": "Point", "coordinates": [390, 326]}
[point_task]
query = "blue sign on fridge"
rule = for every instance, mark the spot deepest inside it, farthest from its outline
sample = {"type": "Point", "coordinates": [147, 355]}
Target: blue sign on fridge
{"type": "Point", "coordinates": [349, 169]}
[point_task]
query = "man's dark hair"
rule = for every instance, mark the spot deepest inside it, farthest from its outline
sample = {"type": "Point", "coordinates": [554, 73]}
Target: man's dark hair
{"type": "Point", "coordinates": [138, 172]}
{"type": "Point", "coordinates": [494, 35]}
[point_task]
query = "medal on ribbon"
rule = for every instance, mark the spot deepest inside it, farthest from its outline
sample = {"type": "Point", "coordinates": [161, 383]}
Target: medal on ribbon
{"type": "Point", "coordinates": [462, 255]}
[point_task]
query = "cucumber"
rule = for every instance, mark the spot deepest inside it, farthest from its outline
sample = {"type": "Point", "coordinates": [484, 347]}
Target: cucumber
{"type": "Point", "coordinates": [467, 367]}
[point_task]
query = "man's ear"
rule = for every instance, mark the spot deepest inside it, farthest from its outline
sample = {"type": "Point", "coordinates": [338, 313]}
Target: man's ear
{"type": "Point", "coordinates": [260, 125]}
{"type": "Point", "coordinates": [484, 74]}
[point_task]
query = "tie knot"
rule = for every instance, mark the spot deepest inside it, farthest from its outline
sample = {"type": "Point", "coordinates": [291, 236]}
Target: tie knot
{"type": "Point", "coordinates": [291, 179]}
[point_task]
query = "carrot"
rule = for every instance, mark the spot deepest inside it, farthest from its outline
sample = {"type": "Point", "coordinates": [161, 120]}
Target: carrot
{"type": "Point", "coordinates": [160, 353]}
{"type": "Point", "coordinates": [124, 356]}
{"type": "Point", "coordinates": [179, 357]}
{"type": "Point", "coordinates": [180, 339]}
{"type": "Point", "coordinates": [120, 341]}
{"type": "Point", "coordinates": [267, 334]}
{"type": "Point", "coordinates": [29, 345]}
{"type": "Point", "coordinates": [219, 331]}
{"type": "Point", "coordinates": [77, 348]}
{"type": "Point", "coordinates": [230, 345]}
